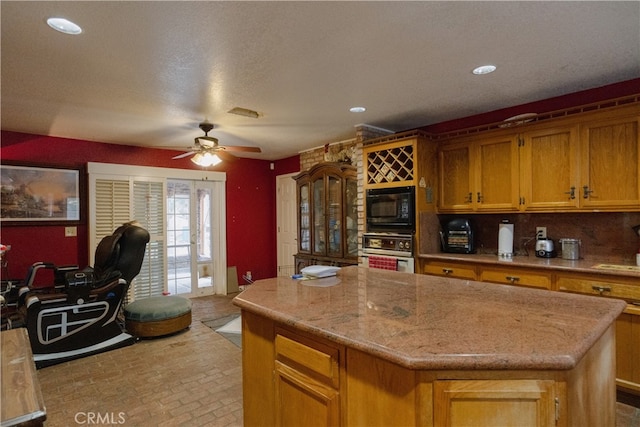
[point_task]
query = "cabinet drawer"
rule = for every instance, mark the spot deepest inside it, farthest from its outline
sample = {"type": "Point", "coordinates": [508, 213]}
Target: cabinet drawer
{"type": "Point", "coordinates": [450, 269]}
{"type": "Point", "coordinates": [312, 358]}
{"type": "Point", "coordinates": [516, 277]}
{"type": "Point", "coordinates": [604, 287]}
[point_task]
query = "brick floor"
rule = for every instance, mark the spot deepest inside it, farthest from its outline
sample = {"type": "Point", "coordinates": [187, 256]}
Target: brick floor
{"type": "Point", "coordinates": [193, 378]}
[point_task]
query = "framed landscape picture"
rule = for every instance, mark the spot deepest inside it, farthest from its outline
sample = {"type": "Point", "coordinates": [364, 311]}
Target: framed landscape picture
{"type": "Point", "coordinates": [34, 195]}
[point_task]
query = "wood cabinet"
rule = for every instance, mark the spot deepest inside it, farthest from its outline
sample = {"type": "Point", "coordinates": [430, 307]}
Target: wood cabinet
{"type": "Point", "coordinates": [327, 197]}
{"type": "Point", "coordinates": [627, 325]}
{"type": "Point", "coordinates": [610, 159]}
{"type": "Point", "coordinates": [549, 169]}
{"type": "Point", "coordinates": [307, 381]}
{"type": "Point", "coordinates": [479, 175]}
{"type": "Point", "coordinates": [458, 270]}
{"type": "Point", "coordinates": [515, 276]}
{"type": "Point", "coordinates": [584, 162]}
{"type": "Point", "coordinates": [496, 403]}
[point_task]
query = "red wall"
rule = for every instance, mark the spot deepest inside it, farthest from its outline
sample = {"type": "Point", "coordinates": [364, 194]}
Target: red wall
{"type": "Point", "coordinates": [251, 211]}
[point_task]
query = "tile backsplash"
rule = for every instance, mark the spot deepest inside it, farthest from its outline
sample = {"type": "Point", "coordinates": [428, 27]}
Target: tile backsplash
{"type": "Point", "coordinates": [606, 236]}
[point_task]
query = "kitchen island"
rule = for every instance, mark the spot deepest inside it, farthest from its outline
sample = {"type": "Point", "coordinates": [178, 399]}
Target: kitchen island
{"type": "Point", "coordinates": [374, 347]}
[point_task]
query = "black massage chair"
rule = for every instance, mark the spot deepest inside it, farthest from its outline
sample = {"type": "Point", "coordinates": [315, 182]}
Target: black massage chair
{"type": "Point", "coordinates": [81, 316]}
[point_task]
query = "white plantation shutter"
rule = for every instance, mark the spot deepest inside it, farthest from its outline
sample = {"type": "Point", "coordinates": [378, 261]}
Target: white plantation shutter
{"type": "Point", "coordinates": [111, 206]}
{"type": "Point", "coordinates": [148, 210]}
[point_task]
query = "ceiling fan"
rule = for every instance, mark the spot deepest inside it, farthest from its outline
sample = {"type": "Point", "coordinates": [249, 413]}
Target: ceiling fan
{"type": "Point", "coordinates": [208, 152]}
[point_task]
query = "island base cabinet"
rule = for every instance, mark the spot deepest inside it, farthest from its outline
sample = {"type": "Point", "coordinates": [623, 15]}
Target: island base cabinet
{"type": "Point", "coordinates": [301, 401]}
{"type": "Point", "coordinates": [628, 350]}
{"type": "Point", "coordinates": [469, 403]}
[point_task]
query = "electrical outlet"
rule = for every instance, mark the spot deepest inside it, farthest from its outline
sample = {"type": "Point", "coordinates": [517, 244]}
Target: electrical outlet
{"type": "Point", "coordinates": [541, 233]}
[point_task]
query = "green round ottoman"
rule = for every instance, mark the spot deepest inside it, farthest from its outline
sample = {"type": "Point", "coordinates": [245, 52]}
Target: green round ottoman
{"type": "Point", "coordinates": [157, 316]}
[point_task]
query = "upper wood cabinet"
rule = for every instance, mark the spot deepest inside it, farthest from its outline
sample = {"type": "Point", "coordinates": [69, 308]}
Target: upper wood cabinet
{"type": "Point", "coordinates": [584, 162]}
{"type": "Point", "coordinates": [479, 175]}
{"type": "Point", "coordinates": [549, 169]}
{"type": "Point", "coordinates": [609, 171]}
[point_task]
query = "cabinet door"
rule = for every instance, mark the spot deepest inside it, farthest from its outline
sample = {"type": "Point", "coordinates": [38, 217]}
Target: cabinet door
{"type": "Point", "coordinates": [495, 165]}
{"type": "Point", "coordinates": [304, 218]}
{"type": "Point", "coordinates": [610, 176]}
{"type": "Point", "coordinates": [484, 403]}
{"type": "Point", "coordinates": [455, 178]}
{"type": "Point", "coordinates": [302, 401]}
{"type": "Point", "coordinates": [334, 212]}
{"type": "Point", "coordinates": [319, 217]}
{"type": "Point", "coordinates": [549, 169]}
{"type": "Point", "coordinates": [351, 218]}
{"type": "Point", "coordinates": [628, 349]}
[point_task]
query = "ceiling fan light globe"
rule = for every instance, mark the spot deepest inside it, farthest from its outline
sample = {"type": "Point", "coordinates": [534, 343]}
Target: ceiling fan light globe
{"type": "Point", "coordinates": [206, 159]}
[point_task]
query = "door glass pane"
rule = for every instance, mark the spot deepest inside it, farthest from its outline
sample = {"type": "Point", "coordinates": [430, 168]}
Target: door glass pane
{"type": "Point", "coordinates": [318, 217]}
{"type": "Point", "coordinates": [305, 226]}
{"type": "Point", "coordinates": [334, 211]}
{"type": "Point", "coordinates": [351, 218]}
{"type": "Point", "coordinates": [178, 237]}
{"type": "Point", "coordinates": [204, 238]}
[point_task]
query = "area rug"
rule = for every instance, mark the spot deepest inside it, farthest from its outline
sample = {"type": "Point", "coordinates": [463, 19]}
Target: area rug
{"type": "Point", "coordinates": [229, 327]}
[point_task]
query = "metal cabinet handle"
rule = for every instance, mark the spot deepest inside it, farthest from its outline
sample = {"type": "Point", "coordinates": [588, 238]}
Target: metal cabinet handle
{"type": "Point", "coordinates": [447, 270]}
{"type": "Point", "coordinates": [601, 289]}
{"type": "Point", "coordinates": [512, 279]}
{"type": "Point", "coordinates": [479, 197]}
{"type": "Point", "coordinates": [586, 192]}
{"type": "Point", "coordinates": [469, 198]}
{"type": "Point", "coordinates": [571, 192]}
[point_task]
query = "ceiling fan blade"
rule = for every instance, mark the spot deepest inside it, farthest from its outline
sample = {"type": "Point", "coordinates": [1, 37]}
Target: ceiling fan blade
{"type": "Point", "coordinates": [227, 157]}
{"type": "Point", "coordinates": [183, 155]}
{"type": "Point", "coordinates": [240, 148]}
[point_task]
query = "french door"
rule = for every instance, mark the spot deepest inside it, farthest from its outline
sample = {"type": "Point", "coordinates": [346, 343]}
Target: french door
{"type": "Point", "coordinates": [190, 237]}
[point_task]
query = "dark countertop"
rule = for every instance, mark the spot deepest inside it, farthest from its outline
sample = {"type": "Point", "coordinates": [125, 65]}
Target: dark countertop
{"type": "Point", "coordinates": [429, 322]}
{"type": "Point", "coordinates": [591, 266]}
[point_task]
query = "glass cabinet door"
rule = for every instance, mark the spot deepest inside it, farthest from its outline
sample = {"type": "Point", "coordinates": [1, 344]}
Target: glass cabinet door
{"type": "Point", "coordinates": [335, 214]}
{"type": "Point", "coordinates": [305, 221]}
{"type": "Point", "coordinates": [351, 218]}
{"type": "Point", "coordinates": [319, 231]}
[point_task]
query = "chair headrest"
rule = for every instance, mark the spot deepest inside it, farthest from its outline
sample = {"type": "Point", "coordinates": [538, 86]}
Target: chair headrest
{"type": "Point", "coordinates": [122, 251]}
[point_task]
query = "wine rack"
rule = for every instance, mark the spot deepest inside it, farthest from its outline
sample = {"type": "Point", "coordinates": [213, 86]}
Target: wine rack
{"type": "Point", "coordinates": [390, 165]}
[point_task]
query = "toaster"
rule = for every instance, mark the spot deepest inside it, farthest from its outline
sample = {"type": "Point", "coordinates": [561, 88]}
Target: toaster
{"type": "Point", "coordinates": [545, 249]}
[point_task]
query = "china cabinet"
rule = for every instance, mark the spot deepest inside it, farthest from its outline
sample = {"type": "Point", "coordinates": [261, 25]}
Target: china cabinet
{"type": "Point", "coordinates": [327, 215]}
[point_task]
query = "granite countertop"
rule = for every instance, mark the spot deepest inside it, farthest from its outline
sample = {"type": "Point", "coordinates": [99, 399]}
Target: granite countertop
{"type": "Point", "coordinates": [591, 266]}
{"type": "Point", "coordinates": [429, 322]}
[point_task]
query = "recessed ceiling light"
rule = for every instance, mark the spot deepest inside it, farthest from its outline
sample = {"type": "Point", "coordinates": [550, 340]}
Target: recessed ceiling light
{"type": "Point", "coordinates": [64, 26]}
{"type": "Point", "coordinates": [484, 69]}
{"type": "Point", "coordinates": [357, 109]}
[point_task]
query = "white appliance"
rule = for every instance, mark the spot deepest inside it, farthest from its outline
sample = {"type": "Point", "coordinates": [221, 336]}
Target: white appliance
{"type": "Point", "coordinates": [388, 251]}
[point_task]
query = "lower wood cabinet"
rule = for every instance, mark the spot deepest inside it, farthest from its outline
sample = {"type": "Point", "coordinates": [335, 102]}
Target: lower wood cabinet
{"type": "Point", "coordinates": [293, 378]}
{"type": "Point", "coordinates": [307, 381]}
{"type": "Point", "coordinates": [516, 276]}
{"type": "Point", "coordinates": [458, 270]}
{"type": "Point", "coordinates": [496, 403]}
{"type": "Point", "coordinates": [627, 325]}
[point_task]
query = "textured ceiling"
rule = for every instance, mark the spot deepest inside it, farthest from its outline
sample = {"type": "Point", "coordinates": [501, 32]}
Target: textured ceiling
{"type": "Point", "coordinates": [146, 73]}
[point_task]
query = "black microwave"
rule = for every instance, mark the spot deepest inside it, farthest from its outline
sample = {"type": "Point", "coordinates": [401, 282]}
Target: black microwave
{"type": "Point", "coordinates": [391, 209]}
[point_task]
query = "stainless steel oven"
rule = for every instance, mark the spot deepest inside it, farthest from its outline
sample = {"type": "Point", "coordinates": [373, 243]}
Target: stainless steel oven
{"type": "Point", "coordinates": [388, 251]}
